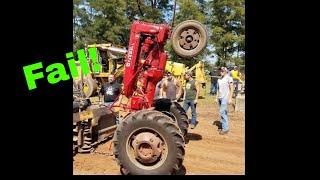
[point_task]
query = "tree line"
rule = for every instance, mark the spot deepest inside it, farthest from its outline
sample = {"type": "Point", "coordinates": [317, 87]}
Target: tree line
{"type": "Point", "coordinates": [108, 21]}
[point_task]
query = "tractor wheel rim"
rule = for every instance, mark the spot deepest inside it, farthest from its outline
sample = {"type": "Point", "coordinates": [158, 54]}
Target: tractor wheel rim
{"type": "Point", "coordinates": [189, 39]}
{"type": "Point", "coordinates": [146, 148]}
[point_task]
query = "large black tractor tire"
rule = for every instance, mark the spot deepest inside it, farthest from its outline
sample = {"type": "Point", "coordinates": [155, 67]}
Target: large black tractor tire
{"type": "Point", "coordinates": [182, 119]}
{"type": "Point", "coordinates": [189, 38]}
{"type": "Point", "coordinates": [174, 110]}
{"type": "Point", "coordinates": [153, 122]}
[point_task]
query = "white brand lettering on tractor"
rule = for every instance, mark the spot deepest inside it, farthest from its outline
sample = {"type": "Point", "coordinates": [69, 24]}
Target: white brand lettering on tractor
{"type": "Point", "coordinates": [130, 55]}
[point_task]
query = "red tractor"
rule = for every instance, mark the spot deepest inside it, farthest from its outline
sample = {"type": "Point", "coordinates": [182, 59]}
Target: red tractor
{"type": "Point", "coordinates": [151, 134]}
{"type": "Point", "coordinates": [151, 138]}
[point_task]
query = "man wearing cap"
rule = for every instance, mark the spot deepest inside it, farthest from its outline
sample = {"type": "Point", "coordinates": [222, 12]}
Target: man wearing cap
{"type": "Point", "coordinates": [224, 97]}
{"type": "Point", "coordinates": [191, 95]}
{"type": "Point", "coordinates": [170, 88]}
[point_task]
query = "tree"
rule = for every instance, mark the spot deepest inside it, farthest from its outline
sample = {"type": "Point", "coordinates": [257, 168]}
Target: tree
{"type": "Point", "coordinates": [81, 24]}
{"type": "Point", "coordinates": [110, 23]}
{"type": "Point", "coordinates": [227, 24]}
{"type": "Point", "coordinates": [147, 10]}
{"type": "Point", "coordinates": [187, 10]}
{"type": "Point", "coordinates": [101, 21]}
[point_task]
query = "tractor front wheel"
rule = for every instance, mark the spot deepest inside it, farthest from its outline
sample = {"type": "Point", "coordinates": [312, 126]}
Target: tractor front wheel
{"type": "Point", "coordinates": [149, 142]}
{"type": "Point", "coordinates": [189, 38]}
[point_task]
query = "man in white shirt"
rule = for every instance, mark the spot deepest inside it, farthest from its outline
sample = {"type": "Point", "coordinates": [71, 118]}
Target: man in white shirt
{"type": "Point", "coordinates": [224, 97]}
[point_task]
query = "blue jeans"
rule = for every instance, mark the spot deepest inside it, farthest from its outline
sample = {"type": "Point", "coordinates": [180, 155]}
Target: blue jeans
{"type": "Point", "coordinates": [186, 105]}
{"type": "Point", "coordinates": [223, 103]}
{"type": "Point", "coordinates": [214, 87]}
{"type": "Point", "coordinates": [236, 84]}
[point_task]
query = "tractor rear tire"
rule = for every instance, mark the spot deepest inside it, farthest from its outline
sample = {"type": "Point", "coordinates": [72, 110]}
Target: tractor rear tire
{"type": "Point", "coordinates": [175, 111]}
{"type": "Point", "coordinates": [152, 122]}
{"type": "Point", "coordinates": [182, 119]}
{"type": "Point", "coordinates": [189, 38]}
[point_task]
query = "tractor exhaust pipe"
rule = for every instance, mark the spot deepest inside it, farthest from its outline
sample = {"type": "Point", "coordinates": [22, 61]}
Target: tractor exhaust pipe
{"type": "Point", "coordinates": [117, 50]}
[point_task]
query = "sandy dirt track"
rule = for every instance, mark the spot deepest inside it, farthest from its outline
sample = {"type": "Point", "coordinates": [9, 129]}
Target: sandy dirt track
{"type": "Point", "coordinates": [207, 152]}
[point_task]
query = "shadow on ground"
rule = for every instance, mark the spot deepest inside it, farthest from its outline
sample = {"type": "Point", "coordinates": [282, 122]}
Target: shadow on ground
{"type": "Point", "coordinates": [181, 171]}
{"type": "Point", "coordinates": [194, 137]}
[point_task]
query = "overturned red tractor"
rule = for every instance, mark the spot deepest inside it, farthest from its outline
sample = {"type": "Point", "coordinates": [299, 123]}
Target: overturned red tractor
{"type": "Point", "coordinates": [151, 135]}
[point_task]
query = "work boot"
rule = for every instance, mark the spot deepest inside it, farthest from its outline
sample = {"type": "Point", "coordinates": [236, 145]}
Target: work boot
{"type": "Point", "coordinates": [192, 126]}
{"type": "Point", "coordinates": [222, 132]}
{"type": "Point", "coordinates": [218, 124]}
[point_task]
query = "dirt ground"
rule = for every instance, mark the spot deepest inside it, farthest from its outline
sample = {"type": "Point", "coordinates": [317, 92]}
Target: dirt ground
{"type": "Point", "coordinates": [207, 152]}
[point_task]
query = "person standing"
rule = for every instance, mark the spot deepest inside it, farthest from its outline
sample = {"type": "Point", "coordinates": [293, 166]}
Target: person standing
{"type": "Point", "coordinates": [157, 93]}
{"type": "Point", "coordinates": [236, 76]}
{"type": "Point", "coordinates": [170, 88]}
{"type": "Point", "coordinates": [191, 95]}
{"type": "Point", "coordinates": [214, 81]}
{"type": "Point", "coordinates": [224, 97]}
{"type": "Point", "coordinates": [110, 91]}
